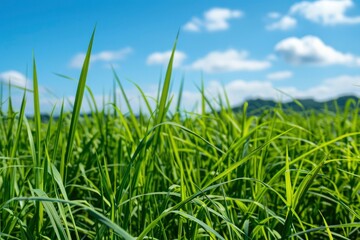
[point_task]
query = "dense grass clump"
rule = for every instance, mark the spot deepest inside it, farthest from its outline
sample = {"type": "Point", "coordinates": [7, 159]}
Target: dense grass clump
{"type": "Point", "coordinates": [172, 175]}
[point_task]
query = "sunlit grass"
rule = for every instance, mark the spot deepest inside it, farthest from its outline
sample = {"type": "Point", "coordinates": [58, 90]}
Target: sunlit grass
{"type": "Point", "coordinates": [163, 175]}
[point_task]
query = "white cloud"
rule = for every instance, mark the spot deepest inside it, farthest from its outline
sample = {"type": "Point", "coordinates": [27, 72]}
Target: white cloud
{"type": "Point", "coordinates": [312, 50]}
{"type": "Point", "coordinates": [327, 12]}
{"type": "Point", "coordinates": [328, 89]}
{"type": "Point", "coordinates": [239, 91]}
{"type": "Point", "coordinates": [227, 61]}
{"type": "Point", "coordinates": [274, 15]}
{"type": "Point", "coordinates": [279, 75]}
{"type": "Point", "coordinates": [215, 19]}
{"type": "Point", "coordinates": [285, 23]}
{"type": "Point", "coordinates": [14, 78]}
{"type": "Point", "coordinates": [104, 56]}
{"type": "Point", "coordinates": [194, 25]}
{"type": "Point", "coordinates": [251, 89]}
{"type": "Point", "coordinates": [77, 61]}
{"type": "Point", "coordinates": [162, 58]}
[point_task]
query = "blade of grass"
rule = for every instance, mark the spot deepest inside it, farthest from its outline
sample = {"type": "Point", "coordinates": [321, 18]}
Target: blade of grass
{"type": "Point", "coordinates": [53, 216]}
{"type": "Point", "coordinates": [77, 105]}
{"type": "Point", "coordinates": [201, 223]}
{"type": "Point", "coordinates": [327, 227]}
{"type": "Point", "coordinates": [165, 92]}
{"type": "Point", "coordinates": [178, 104]}
{"type": "Point", "coordinates": [132, 115]}
{"type": "Point", "coordinates": [38, 164]}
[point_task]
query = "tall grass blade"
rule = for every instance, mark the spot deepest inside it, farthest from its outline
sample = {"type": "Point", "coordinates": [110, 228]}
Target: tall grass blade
{"type": "Point", "coordinates": [132, 115]}
{"type": "Point", "coordinates": [53, 216]}
{"type": "Point", "coordinates": [162, 106]}
{"type": "Point", "coordinates": [38, 167]}
{"type": "Point", "coordinates": [77, 105]}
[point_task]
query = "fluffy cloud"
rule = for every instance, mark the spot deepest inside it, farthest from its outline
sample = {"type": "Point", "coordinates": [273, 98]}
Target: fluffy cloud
{"type": "Point", "coordinates": [284, 23]}
{"type": "Point", "coordinates": [279, 75]}
{"type": "Point", "coordinates": [215, 19]}
{"type": "Point", "coordinates": [274, 15]}
{"type": "Point", "coordinates": [194, 25]}
{"type": "Point", "coordinates": [327, 89]}
{"type": "Point", "coordinates": [312, 50]}
{"type": "Point", "coordinates": [327, 12]}
{"type": "Point", "coordinates": [14, 78]}
{"type": "Point", "coordinates": [104, 56]}
{"type": "Point", "coordinates": [227, 61]}
{"type": "Point", "coordinates": [239, 91]}
{"type": "Point", "coordinates": [162, 58]}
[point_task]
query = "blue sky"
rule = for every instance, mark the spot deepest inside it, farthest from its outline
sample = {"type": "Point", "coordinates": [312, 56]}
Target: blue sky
{"type": "Point", "coordinates": [249, 48]}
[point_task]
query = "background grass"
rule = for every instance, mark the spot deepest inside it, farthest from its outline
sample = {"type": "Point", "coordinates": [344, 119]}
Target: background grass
{"type": "Point", "coordinates": [175, 175]}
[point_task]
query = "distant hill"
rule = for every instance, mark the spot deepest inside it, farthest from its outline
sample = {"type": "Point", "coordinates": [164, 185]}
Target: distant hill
{"type": "Point", "coordinates": [257, 106]}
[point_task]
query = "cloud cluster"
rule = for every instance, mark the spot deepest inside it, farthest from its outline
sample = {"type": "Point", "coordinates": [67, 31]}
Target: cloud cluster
{"type": "Point", "coordinates": [162, 58]}
{"type": "Point", "coordinates": [332, 87]}
{"type": "Point", "coordinates": [228, 61]}
{"type": "Point", "coordinates": [15, 78]}
{"type": "Point", "coordinates": [308, 50]}
{"type": "Point", "coordinates": [325, 12]}
{"type": "Point", "coordinates": [104, 56]}
{"type": "Point", "coordinates": [284, 23]}
{"type": "Point", "coordinates": [240, 90]}
{"type": "Point", "coordinates": [215, 19]}
{"type": "Point", "coordinates": [214, 62]}
{"type": "Point", "coordinates": [312, 50]}
{"type": "Point", "coordinates": [281, 75]}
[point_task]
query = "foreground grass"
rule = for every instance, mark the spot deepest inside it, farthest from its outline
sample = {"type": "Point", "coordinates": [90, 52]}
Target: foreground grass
{"type": "Point", "coordinates": [170, 175]}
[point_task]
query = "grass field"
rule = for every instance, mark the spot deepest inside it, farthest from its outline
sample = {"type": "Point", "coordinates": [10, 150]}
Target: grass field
{"type": "Point", "coordinates": [216, 174]}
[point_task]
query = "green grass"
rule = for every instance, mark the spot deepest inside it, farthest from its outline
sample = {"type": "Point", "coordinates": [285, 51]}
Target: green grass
{"type": "Point", "coordinates": [175, 175]}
